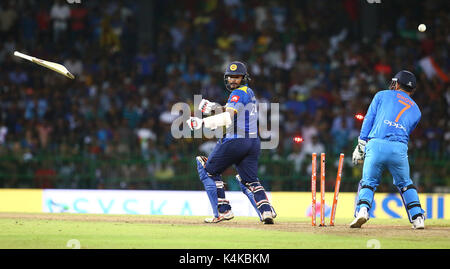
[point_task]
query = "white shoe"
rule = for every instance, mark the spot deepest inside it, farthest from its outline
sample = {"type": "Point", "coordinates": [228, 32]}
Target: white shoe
{"type": "Point", "coordinates": [361, 218]}
{"type": "Point", "coordinates": [267, 217]}
{"type": "Point", "coordinates": [419, 223]}
{"type": "Point", "coordinates": [227, 215]}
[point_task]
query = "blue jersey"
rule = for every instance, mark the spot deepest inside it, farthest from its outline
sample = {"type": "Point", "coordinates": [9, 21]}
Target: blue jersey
{"type": "Point", "coordinates": [243, 101]}
{"type": "Point", "coordinates": [392, 116]}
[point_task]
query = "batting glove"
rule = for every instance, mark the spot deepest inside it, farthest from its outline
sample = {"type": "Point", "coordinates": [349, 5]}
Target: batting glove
{"type": "Point", "coordinates": [359, 152]}
{"type": "Point", "coordinates": [194, 123]}
{"type": "Point", "coordinates": [206, 106]}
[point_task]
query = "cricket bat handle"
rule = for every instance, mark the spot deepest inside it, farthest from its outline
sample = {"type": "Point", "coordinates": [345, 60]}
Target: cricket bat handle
{"type": "Point", "coordinates": [23, 56]}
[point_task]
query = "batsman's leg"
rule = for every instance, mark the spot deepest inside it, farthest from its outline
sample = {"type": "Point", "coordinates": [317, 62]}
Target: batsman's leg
{"type": "Point", "coordinates": [249, 195]}
{"type": "Point", "coordinates": [209, 183]}
{"type": "Point", "coordinates": [248, 171]}
{"type": "Point", "coordinates": [215, 168]}
{"type": "Point", "coordinates": [267, 213]}
{"type": "Point", "coordinates": [222, 157]}
{"type": "Point", "coordinates": [211, 187]}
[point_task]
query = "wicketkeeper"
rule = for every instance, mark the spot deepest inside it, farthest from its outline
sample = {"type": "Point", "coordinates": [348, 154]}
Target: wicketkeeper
{"type": "Point", "coordinates": [383, 143]}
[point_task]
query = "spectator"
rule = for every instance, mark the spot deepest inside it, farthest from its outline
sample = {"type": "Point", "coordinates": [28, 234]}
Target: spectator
{"type": "Point", "coordinates": [78, 17]}
{"type": "Point", "coordinates": [44, 131]}
{"type": "Point", "coordinates": [145, 61]}
{"type": "Point", "coordinates": [109, 40]}
{"type": "Point", "coordinates": [59, 14]}
{"type": "Point", "coordinates": [74, 65]}
{"type": "Point", "coordinates": [8, 18]}
{"type": "Point", "coordinates": [43, 20]}
{"type": "Point", "coordinates": [145, 135]}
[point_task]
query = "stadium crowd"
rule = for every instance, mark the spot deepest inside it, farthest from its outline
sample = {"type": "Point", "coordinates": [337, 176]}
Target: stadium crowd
{"type": "Point", "coordinates": [110, 127]}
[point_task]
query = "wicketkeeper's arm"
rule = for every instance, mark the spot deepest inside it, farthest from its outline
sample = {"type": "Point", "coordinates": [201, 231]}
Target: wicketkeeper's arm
{"type": "Point", "coordinates": [359, 152]}
{"type": "Point", "coordinates": [369, 118]}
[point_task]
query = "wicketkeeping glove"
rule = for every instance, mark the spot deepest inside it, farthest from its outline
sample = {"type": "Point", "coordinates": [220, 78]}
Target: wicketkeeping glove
{"type": "Point", "coordinates": [359, 152]}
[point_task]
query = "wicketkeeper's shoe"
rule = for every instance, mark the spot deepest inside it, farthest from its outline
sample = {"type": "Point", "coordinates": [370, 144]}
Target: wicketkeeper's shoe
{"type": "Point", "coordinates": [361, 218]}
{"type": "Point", "coordinates": [419, 223]}
{"type": "Point", "coordinates": [267, 217]}
{"type": "Point", "coordinates": [227, 215]}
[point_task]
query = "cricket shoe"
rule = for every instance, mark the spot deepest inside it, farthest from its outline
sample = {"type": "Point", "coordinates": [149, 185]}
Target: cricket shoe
{"type": "Point", "coordinates": [361, 218]}
{"type": "Point", "coordinates": [267, 217]}
{"type": "Point", "coordinates": [227, 215]}
{"type": "Point", "coordinates": [419, 223]}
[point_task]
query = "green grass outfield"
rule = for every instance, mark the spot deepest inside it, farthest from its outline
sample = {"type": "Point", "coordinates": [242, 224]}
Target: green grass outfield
{"type": "Point", "coordinates": [53, 231]}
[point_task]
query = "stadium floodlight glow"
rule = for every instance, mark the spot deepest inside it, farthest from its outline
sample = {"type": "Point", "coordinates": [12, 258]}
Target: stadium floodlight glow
{"type": "Point", "coordinates": [359, 116]}
{"type": "Point", "coordinates": [298, 139]}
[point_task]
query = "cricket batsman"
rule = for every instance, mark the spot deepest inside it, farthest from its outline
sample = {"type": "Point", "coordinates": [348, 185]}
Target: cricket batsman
{"type": "Point", "coordinates": [383, 143]}
{"type": "Point", "coordinates": [240, 147]}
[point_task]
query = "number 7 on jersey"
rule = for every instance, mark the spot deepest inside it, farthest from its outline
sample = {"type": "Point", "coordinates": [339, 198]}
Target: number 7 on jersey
{"type": "Point", "coordinates": [407, 106]}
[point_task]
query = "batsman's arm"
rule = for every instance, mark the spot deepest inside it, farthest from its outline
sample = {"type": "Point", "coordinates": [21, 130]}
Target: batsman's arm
{"type": "Point", "coordinates": [222, 119]}
{"type": "Point", "coordinates": [212, 122]}
{"type": "Point", "coordinates": [231, 110]}
{"type": "Point", "coordinates": [219, 108]}
{"type": "Point", "coordinates": [219, 120]}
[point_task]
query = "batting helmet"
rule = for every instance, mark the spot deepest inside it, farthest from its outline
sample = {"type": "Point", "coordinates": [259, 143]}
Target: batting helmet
{"type": "Point", "coordinates": [406, 80]}
{"type": "Point", "coordinates": [236, 69]}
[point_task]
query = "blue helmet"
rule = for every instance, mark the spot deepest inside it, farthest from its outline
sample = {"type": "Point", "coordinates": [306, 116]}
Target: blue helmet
{"type": "Point", "coordinates": [236, 69]}
{"type": "Point", "coordinates": [406, 80]}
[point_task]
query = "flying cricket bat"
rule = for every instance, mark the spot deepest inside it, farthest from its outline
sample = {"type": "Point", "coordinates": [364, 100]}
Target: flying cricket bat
{"type": "Point", "coordinates": [50, 65]}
